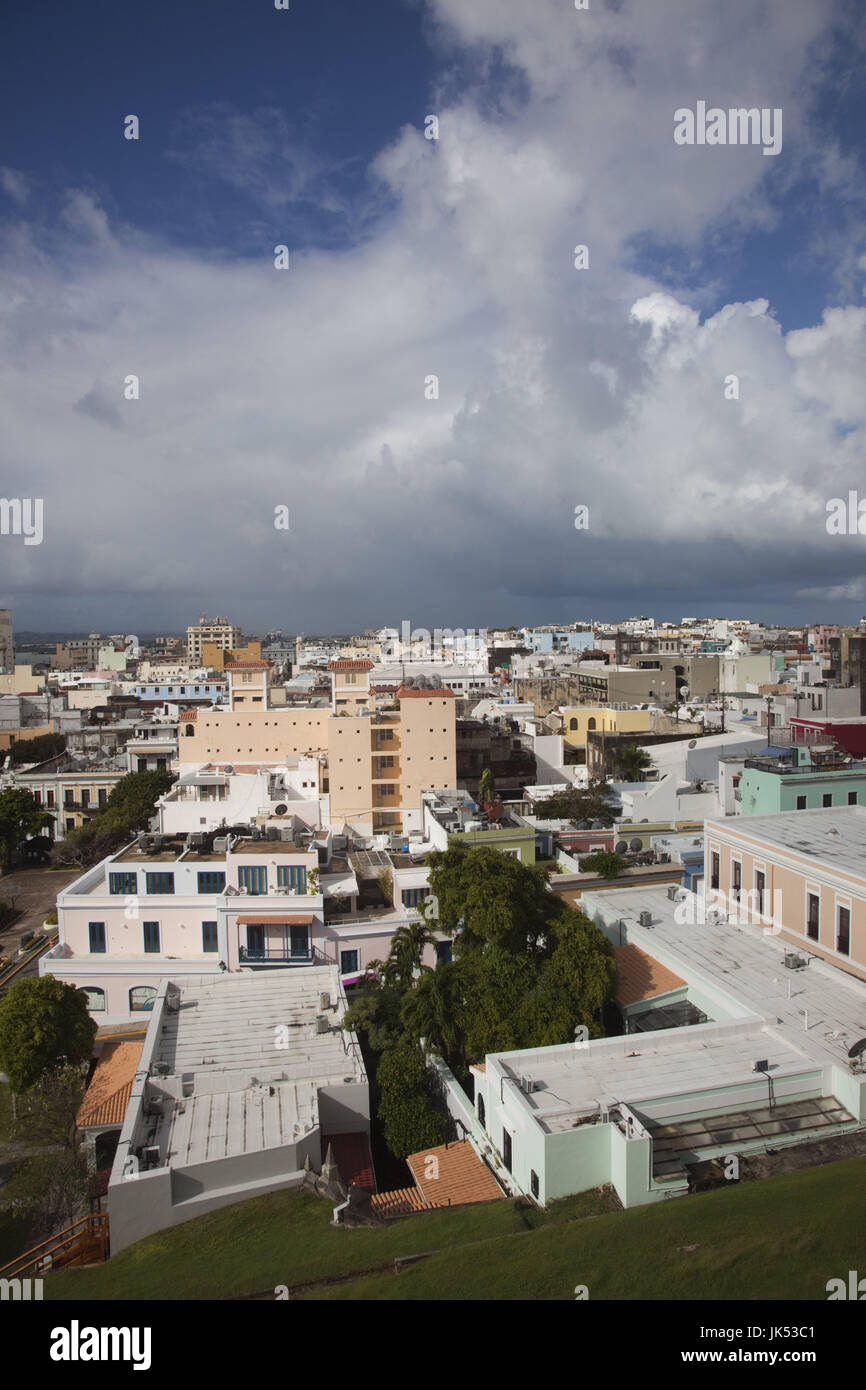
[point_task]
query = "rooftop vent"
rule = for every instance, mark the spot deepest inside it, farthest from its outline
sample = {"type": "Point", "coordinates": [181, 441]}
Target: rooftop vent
{"type": "Point", "coordinates": [645, 919]}
{"type": "Point", "coordinates": [322, 1025]}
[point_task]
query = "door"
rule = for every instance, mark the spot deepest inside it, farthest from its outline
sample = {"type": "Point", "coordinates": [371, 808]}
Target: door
{"type": "Point", "coordinates": [255, 940]}
{"type": "Point", "coordinates": [299, 943]}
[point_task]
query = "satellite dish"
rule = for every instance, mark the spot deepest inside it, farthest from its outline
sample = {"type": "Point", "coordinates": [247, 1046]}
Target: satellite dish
{"type": "Point", "coordinates": [281, 809]}
{"type": "Point", "coordinates": [858, 1049]}
{"type": "Point", "coordinates": [693, 743]}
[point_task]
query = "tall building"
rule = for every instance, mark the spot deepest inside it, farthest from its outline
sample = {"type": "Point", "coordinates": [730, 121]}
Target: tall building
{"type": "Point", "coordinates": [7, 646]}
{"type": "Point", "coordinates": [226, 635]}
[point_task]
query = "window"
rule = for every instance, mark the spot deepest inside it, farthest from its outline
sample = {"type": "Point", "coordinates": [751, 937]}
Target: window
{"type": "Point", "coordinates": [97, 938]}
{"type": "Point", "coordinates": [122, 884]}
{"type": "Point", "coordinates": [481, 1110]}
{"type": "Point", "coordinates": [85, 796]}
{"type": "Point", "coordinates": [736, 877]}
{"type": "Point", "coordinates": [843, 931]}
{"type": "Point", "coordinates": [813, 911]}
{"type": "Point", "coordinates": [801, 803]}
{"type": "Point", "coordinates": [444, 952]}
{"type": "Point", "coordinates": [209, 881]}
{"type": "Point", "coordinates": [507, 1157]}
{"type": "Point", "coordinates": [760, 885]}
{"type": "Point", "coordinates": [151, 938]}
{"type": "Point", "coordinates": [209, 936]}
{"type": "Point", "coordinates": [413, 896]}
{"type": "Point", "coordinates": [102, 796]}
{"type": "Point", "coordinates": [293, 876]}
{"type": "Point", "coordinates": [37, 797]}
{"type": "Point", "coordinates": [827, 799]}
{"type": "Point", "coordinates": [68, 797]}
{"type": "Point", "coordinates": [95, 999]}
{"type": "Point", "coordinates": [348, 962]}
{"type": "Point", "coordinates": [852, 798]}
{"type": "Point", "coordinates": [714, 869]}
{"type": "Point", "coordinates": [253, 879]}
{"type": "Point", "coordinates": [533, 1183]}
{"type": "Point", "coordinates": [159, 883]}
{"type": "Point", "coordinates": [50, 795]}
{"type": "Point", "coordinates": [590, 723]}
{"type": "Point", "coordinates": [141, 999]}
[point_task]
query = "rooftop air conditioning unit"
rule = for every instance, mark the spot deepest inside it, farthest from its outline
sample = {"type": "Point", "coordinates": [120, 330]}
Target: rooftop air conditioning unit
{"type": "Point", "coordinates": [220, 844]}
{"type": "Point", "coordinates": [715, 916]}
{"type": "Point", "coordinates": [273, 832]}
{"type": "Point", "coordinates": [324, 1001]}
{"type": "Point", "coordinates": [322, 1025]}
{"type": "Point", "coordinates": [150, 1157]}
{"type": "Point", "coordinates": [794, 962]}
{"type": "Point", "coordinates": [287, 833]}
{"type": "Point", "coordinates": [645, 919]}
{"type": "Point", "coordinates": [527, 1084]}
{"type": "Point", "coordinates": [673, 893]}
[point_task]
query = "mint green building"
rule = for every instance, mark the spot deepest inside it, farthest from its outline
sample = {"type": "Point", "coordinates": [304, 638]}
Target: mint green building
{"type": "Point", "coordinates": [799, 782]}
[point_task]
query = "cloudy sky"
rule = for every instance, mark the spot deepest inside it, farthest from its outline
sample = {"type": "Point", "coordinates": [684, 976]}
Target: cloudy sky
{"type": "Point", "coordinates": [308, 388]}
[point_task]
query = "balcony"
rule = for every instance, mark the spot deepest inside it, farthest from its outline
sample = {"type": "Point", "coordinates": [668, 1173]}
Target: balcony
{"type": "Point", "coordinates": [280, 955]}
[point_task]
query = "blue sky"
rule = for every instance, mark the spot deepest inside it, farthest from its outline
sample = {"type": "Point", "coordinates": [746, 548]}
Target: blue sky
{"type": "Point", "coordinates": [412, 257]}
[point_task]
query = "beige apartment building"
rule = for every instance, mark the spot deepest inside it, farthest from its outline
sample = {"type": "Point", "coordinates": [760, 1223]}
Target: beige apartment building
{"type": "Point", "coordinates": [379, 760]}
{"type": "Point", "coordinates": [226, 635]}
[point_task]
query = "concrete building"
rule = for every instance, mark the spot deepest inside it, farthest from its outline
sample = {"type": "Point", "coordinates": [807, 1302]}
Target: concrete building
{"type": "Point", "coordinates": [225, 635]}
{"type": "Point", "coordinates": [799, 780]}
{"type": "Point", "coordinates": [716, 1061]}
{"type": "Point", "coordinates": [7, 643]}
{"type": "Point", "coordinates": [72, 787]}
{"type": "Point", "coordinates": [453, 818]}
{"type": "Point", "coordinates": [807, 867]}
{"type": "Point", "coordinates": [242, 1081]}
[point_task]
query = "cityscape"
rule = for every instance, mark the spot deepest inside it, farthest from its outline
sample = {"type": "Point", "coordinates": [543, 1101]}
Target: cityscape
{"type": "Point", "coordinates": [433, 666]}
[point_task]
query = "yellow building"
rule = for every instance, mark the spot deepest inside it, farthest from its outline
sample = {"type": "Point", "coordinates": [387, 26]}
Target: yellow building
{"type": "Point", "coordinates": [216, 657]}
{"type": "Point", "coordinates": [579, 720]}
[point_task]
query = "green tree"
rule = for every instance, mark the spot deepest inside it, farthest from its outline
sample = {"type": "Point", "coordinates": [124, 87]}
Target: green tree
{"type": "Point", "coordinates": [49, 1189]}
{"type": "Point", "coordinates": [46, 1113]}
{"type": "Point", "coordinates": [375, 1009]}
{"type": "Point", "coordinates": [574, 984]}
{"type": "Point", "coordinates": [631, 762]}
{"type": "Point", "coordinates": [486, 787]}
{"type": "Point", "coordinates": [136, 795]}
{"type": "Point", "coordinates": [590, 803]}
{"type": "Point", "coordinates": [406, 1108]}
{"type": "Point", "coordinates": [434, 1009]}
{"type": "Point", "coordinates": [39, 749]}
{"type": "Point", "coordinates": [605, 863]}
{"type": "Point", "coordinates": [20, 816]}
{"type": "Point", "coordinates": [490, 897]}
{"type": "Point", "coordinates": [407, 948]}
{"type": "Point", "coordinates": [42, 1021]}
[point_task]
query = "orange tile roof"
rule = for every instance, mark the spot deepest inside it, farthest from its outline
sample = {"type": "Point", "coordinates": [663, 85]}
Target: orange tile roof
{"type": "Point", "coordinates": [111, 1084]}
{"type": "Point", "coordinates": [188, 713]}
{"type": "Point", "coordinates": [248, 665]}
{"type": "Point", "coordinates": [641, 977]}
{"type": "Point", "coordinates": [459, 1176]}
{"type": "Point", "coordinates": [400, 1202]}
{"type": "Point", "coordinates": [426, 692]}
{"type": "Point", "coordinates": [350, 664]}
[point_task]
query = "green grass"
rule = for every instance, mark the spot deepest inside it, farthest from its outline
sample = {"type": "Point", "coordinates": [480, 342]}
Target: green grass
{"type": "Point", "coordinates": [781, 1238]}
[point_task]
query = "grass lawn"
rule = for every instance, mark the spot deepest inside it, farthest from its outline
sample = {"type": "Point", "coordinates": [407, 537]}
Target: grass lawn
{"type": "Point", "coordinates": [781, 1238]}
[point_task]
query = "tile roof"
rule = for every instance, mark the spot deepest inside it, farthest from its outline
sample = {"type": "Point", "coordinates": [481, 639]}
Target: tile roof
{"type": "Point", "coordinates": [641, 977]}
{"type": "Point", "coordinates": [248, 665]}
{"type": "Point", "coordinates": [459, 1176]}
{"type": "Point", "coordinates": [401, 1202]}
{"type": "Point", "coordinates": [111, 1084]}
{"type": "Point", "coordinates": [347, 664]}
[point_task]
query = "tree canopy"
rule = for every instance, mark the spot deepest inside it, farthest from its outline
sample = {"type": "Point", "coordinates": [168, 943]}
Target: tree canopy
{"type": "Point", "coordinates": [42, 1023]}
{"type": "Point", "coordinates": [20, 816]}
{"type": "Point", "coordinates": [595, 802]}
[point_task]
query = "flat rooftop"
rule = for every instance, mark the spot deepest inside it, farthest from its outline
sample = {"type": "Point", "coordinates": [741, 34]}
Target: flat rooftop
{"type": "Point", "coordinates": [745, 970]}
{"type": "Point", "coordinates": [248, 1093]}
{"type": "Point", "coordinates": [835, 836]}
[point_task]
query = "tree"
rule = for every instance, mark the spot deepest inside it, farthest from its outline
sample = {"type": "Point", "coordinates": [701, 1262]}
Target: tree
{"type": "Point", "coordinates": [386, 886]}
{"type": "Point", "coordinates": [605, 863]}
{"type": "Point", "coordinates": [39, 749]}
{"type": "Point", "coordinates": [20, 816]}
{"type": "Point", "coordinates": [405, 1108]}
{"type": "Point", "coordinates": [136, 795]}
{"type": "Point", "coordinates": [486, 787]}
{"type": "Point", "coordinates": [50, 1189]}
{"type": "Point", "coordinates": [46, 1113]}
{"type": "Point", "coordinates": [407, 948]}
{"type": "Point", "coordinates": [434, 1009]}
{"type": "Point", "coordinates": [490, 897]}
{"type": "Point", "coordinates": [631, 762]}
{"type": "Point", "coordinates": [590, 803]}
{"type": "Point", "coordinates": [42, 1021]}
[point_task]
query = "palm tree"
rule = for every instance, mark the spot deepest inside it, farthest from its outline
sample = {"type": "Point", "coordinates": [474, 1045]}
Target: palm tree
{"type": "Point", "coordinates": [407, 948]}
{"type": "Point", "coordinates": [432, 1008]}
{"type": "Point", "coordinates": [632, 762]}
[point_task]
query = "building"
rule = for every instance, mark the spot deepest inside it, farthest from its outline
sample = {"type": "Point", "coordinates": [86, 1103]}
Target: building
{"type": "Point", "coordinates": [808, 870]}
{"type": "Point", "coordinates": [715, 1061]}
{"type": "Point", "coordinates": [73, 787]}
{"type": "Point", "coordinates": [225, 635]}
{"type": "Point", "coordinates": [799, 780]}
{"type": "Point", "coordinates": [242, 1081]}
{"type": "Point", "coordinates": [452, 818]}
{"type": "Point", "coordinates": [497, 747]}
{"type": "Point", "coordinates": [7, 644]}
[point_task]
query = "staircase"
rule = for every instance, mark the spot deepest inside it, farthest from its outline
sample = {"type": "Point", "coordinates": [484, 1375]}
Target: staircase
{"type": "Point", "coordinates": [84, 1242]}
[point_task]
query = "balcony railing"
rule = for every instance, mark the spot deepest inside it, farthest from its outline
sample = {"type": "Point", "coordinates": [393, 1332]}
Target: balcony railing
{"type": "Point", "coordinates": [283, 955]}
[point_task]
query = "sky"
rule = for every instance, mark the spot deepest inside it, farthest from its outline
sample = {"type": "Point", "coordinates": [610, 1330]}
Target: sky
{"type": "Point", "coordinates": [400, 423]}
